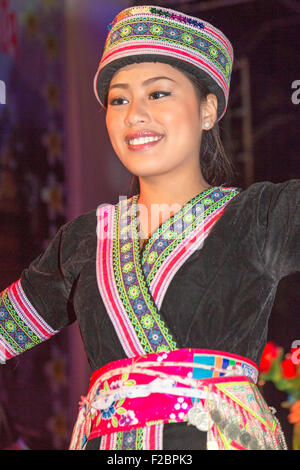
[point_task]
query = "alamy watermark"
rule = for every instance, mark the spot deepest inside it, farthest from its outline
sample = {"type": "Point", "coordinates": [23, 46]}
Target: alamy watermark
{"type": "Point", "coordinates": [2, 92]}
{"type": "Point", "coordinates": [180, 227]}
{"type": "Point", "coordinates": [295, 356]}
{"type": "Point", "coordinates": [296, 95]}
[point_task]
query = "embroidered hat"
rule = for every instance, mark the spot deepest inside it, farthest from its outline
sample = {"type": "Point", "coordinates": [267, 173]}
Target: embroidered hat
{"type": "Point", "coordinates": [151, 34]}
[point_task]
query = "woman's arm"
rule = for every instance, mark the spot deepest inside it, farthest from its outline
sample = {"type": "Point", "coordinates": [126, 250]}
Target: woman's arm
{"type": "Point", "coordinates": [278, 227]}
{"type": "Point", "coordinates": [36, 306]}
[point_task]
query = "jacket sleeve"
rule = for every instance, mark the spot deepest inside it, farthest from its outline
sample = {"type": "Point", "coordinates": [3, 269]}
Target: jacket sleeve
{"type": "Point", "coordinates": [37, 306]}
{"type": "Point", "coordinates": [278, 227]}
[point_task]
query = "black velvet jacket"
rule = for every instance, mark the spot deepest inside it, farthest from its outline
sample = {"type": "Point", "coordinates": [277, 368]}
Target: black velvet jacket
{"type": "Point", "coordinates": [220, 298]}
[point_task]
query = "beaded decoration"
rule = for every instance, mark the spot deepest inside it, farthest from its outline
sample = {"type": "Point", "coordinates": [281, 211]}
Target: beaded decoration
{"type": "Point", "coordinates": [158, 11]}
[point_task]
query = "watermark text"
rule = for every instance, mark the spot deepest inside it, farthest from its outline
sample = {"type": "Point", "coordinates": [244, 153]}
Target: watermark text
{"type": "Point", "coordinates": [2, 92]}
{"type": "Point", "coordinates": [295, 357]}
{"type": "Point", "coordinates": [160, 221]}
{"type": "Point", "coordinates": [296, 94]}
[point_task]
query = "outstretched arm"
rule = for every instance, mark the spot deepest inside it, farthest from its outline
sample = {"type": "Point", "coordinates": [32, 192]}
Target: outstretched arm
{"type": "Point", "coordinates": [278, 228]}
{"type": "Point", "coordinates": [35, 307]}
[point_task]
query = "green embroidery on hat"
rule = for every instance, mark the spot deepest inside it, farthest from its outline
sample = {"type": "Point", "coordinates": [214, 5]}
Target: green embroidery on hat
{"type": "Point", "coordinates": [159, 28]}
{"type": "Point", "coordinates": [188, 38]}
{"type": "Point", "coordinates": [213, 51]}
{"type": "Point", "coordinates": [125, 31]}
{"type": "Point", "coordinates": [156, 29]}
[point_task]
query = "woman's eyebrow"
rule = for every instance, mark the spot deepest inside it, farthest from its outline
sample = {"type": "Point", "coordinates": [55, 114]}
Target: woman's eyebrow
{"type": "Point", "coordinates": [146, 82]}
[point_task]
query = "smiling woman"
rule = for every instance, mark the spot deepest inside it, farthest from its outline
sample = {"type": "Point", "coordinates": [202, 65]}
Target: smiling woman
{"type": "Point", "coordinates": [215, 165]}
{"type": "Point", "coordinates": [174, 331]}
{"type": "Point", "coordinates": [155, 127]}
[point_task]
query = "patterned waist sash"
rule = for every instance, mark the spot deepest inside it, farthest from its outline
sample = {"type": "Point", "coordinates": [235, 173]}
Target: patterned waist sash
{"type": "Point", "coordinates": [212, 390]}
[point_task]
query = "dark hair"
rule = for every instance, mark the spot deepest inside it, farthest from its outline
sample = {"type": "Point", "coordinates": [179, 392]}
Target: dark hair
{"type": "Point", "coordinates": [216, 166]}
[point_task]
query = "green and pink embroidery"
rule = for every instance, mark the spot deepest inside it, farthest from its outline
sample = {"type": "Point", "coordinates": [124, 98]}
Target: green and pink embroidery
{"type": "Point", "coordinates": [133, 286]}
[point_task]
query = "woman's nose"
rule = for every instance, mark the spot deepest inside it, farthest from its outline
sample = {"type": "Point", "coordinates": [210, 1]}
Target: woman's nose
{"type": "Point", "coordinates": [137, 111]}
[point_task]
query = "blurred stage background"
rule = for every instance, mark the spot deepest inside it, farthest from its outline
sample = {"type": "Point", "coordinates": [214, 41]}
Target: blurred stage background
{"type": "Point", "coordinates": [56, 162]}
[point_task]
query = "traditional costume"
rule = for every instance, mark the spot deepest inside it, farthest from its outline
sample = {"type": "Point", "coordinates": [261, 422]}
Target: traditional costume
{"type": "Point", "coordinates": [173, 332]}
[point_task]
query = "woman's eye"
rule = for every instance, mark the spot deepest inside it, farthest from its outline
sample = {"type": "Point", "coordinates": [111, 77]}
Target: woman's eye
{"type": "Point", "coordinates": [155, 93]}
{"type": "Point", "coordinates": [112, 102]}
{"type": "Point", "coordinates": [160, 93]}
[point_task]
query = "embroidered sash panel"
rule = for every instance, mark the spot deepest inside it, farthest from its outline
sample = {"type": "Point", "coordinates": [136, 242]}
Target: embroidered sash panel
{"type": "Point", "coordinates": [21, 327]}
{"type": "Point", "coordinates": [133, 286]}
{"type": "Point", "coordinates": [147, 438]}
{"type": "Point", "coordinates": [129, 401]}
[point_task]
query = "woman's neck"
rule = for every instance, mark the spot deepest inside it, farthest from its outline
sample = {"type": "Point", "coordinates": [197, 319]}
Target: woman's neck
{"type": "Point", "coordinates": [155, 207]}
{"type": "Point", "coordinates": [169, 197]}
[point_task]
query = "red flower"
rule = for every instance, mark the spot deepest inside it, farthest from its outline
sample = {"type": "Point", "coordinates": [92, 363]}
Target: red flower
{"type": "Point", "coordinates": [294, 416]}
{"type": "Point", "coordinates": [289, 370]}
{"type": "Point", "coordinates": [269, 354]}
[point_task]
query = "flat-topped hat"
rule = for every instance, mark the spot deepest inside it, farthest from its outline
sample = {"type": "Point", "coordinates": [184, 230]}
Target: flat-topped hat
{"type": "Point", "coordinates": [156, 34]}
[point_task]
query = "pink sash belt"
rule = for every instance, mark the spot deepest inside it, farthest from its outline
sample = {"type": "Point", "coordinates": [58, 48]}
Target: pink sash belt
{"type": "Point", "coordinates": [212, 390]}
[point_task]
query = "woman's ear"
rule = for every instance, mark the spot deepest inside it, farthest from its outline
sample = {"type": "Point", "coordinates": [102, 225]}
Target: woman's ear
{"type": "Point", "coordinates": [209, 111]}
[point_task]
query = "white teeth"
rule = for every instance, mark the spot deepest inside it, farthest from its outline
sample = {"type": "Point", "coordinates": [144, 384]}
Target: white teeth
{"type": "Point", "coordinates": [143, 140]}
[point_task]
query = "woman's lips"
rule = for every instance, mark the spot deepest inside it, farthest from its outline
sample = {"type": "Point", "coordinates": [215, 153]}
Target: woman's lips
{"type": "Point", "coordinates": [144, 146]}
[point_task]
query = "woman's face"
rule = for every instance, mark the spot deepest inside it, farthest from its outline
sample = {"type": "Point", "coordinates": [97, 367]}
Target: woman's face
{"type": "Point", "coordinates": [168, 106]}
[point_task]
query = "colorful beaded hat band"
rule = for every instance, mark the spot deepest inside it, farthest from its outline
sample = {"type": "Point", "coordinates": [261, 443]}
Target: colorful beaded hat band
{"type": "Point", "coordinates": [150, 34]}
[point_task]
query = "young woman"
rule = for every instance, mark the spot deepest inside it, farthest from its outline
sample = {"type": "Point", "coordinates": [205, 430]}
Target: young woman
{"type": "Point", "coordinates": [173, 286]}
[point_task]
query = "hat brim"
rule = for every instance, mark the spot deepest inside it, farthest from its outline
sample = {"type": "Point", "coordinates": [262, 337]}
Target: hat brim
{"type": "Point", "coordinates": [104, 76]}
